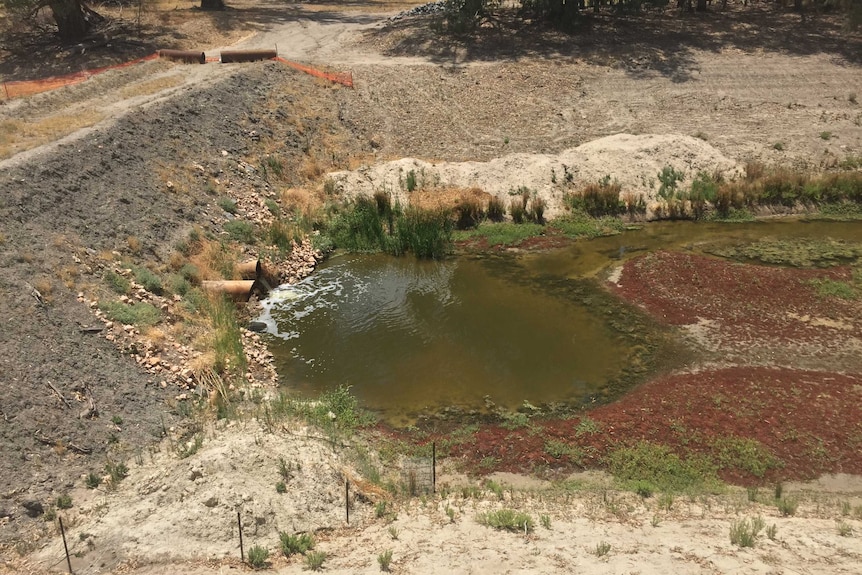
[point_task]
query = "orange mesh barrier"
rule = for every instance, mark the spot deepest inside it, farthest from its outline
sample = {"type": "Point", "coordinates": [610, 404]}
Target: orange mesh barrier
{"type": "Point", "coordinates": [30, 87]}
{"type": "Point", "coordinates": [343, 78]}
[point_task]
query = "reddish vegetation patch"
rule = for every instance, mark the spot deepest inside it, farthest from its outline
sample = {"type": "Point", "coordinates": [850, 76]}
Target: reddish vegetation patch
{"type": "Point", "coordinates": [748, 301]}
{"type": "Point", "coordinates": [810, 423]}
{"type": "Point", "coordinates": [755, 424]}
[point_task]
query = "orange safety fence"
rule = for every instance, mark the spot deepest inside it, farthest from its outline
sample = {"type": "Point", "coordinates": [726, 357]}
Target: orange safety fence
{"type": "Point", "coordinates": [343, 78]}
{"type": "Point", "coordinates": [21, 88]}
{"type": "Point", "coordinates": [29, 87]}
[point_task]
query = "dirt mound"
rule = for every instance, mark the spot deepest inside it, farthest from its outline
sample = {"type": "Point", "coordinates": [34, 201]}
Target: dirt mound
{"type": "Point", "coordinates": [633, 161]}
{"type": "Point", "coordinates": [173, 508]}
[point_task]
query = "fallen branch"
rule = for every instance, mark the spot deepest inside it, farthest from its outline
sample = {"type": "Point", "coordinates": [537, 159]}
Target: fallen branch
{"type": "Point", "coordinates": [60, 395]}
{"type": "Point", "coordinates": [45, 440]}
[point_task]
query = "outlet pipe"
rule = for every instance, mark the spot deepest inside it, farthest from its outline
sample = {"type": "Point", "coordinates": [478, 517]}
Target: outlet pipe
{"type": "Point", "coordinates": [187, 56]}
{"type": "Point", "coordinates": [233, 56]}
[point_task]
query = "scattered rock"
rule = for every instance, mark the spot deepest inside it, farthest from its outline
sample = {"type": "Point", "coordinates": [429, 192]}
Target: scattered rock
{"type": "Point", "coordinates": [33, 508]}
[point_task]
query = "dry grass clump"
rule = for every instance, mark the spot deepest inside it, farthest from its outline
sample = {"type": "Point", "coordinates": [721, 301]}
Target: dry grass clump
{"type": "Point", "coordinates": [216, 261]}
{"type": "Point", "coordinates": [23, 134]}
{"type": "Point", "coordinates": [302, 202]}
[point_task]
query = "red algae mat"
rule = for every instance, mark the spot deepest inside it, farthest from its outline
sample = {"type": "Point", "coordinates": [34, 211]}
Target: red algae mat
{"type": "Point", "coordinates": [780, 381]}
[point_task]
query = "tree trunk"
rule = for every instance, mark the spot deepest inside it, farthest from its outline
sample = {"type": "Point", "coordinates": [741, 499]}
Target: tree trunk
{"type": "Point", "coordinates": [69, 16]}
{"type": "Point", "coordinates": [701, 5]}
{"type": "Point", "coordinates": [212, 4]}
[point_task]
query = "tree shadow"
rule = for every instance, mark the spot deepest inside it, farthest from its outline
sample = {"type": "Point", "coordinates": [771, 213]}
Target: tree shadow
{"type": "Point", "coordinates": [33, 53]}
{"type": "Point", "coordinates": [658, 43]}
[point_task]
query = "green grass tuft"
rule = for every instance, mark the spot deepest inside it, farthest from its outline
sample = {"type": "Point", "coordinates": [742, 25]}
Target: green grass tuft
{"type": "Point", "coordinates": [507, 520]}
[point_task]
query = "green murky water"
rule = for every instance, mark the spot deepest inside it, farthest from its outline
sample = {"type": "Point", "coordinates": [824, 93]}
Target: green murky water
{"type": "Point", "coordinates": [412, 336]}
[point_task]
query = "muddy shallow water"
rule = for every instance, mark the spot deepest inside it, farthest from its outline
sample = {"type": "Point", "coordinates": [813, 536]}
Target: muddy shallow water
{"type": "Point", "coordinates": [412, 336]}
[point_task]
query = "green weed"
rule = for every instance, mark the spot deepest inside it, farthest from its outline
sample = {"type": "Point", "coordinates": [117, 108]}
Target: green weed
{"type": "Point", "coordinates": [64, 502]}
{"type": "Point", "coordinates": [507, 520]}
{"type": "Point", "coordinates": [227, 204]}
{"type": "Point", "coordinates": [117, 283]}
{"type": "Point", "coordinates": [661, 467]}
{"type": "Point", "coordinates": [602, 549]}
{"type": "Point", "coordinates": [93, 480]}
{"type": "Point", "coordinates": [787, 506]}
{"type": "Point", "coordinates": [501, 234]}
{"type": "Point", "coordinates": [293, 544]}
{"type": "Point", "coordinates": [384, 559]}
{"type": "Point", "coordinates": [240, 231]}
{"type": "Point", "coordinates": [257, 556]}
{"type": "Point", "coordinates": [138, 313]}
{"type": "Point", "coordinates": [826, 287]}
{"type": "Point", "coordinates": [314, 560]}
{"type": "Point", "coordinates": [743, 533]}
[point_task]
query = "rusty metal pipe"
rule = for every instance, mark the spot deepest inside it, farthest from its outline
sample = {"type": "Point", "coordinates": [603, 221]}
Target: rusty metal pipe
{"type": "Point", "coordinates": [187, 56]}
{"type": "Point", "coordinates": [237, 290]}
{"type": "Point", "coordinates": [232, 56]}
{"type": "Point", "coordinates": [249, 270]}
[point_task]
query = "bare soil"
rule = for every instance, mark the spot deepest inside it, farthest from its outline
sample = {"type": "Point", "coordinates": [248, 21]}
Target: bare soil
{"type": "Point", "coordinates": [129, 161]}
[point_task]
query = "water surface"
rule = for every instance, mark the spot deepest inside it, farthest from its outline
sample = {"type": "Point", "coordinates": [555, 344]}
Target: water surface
{"type": "Point", "coordinates": [412, 336]}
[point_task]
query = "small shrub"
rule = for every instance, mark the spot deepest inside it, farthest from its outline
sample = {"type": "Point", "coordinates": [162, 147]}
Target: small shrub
{"type": "Point", "coordinates": [151, 282]}
{"type": "Point", "coordinates": [507, 520]}
{"type": "Point", "coordinates": [771, 531]}
{"type": "Point", "coordinates": [393, 532]}
{"type": "Point", "coordinates": [537, 210]}
{"type": "Point", "coordinates": [468, 212]}
{"type": "Point", "coordinates": [754, 170]}
{"type": "Point", "coordinates": [281, 487]}
{"type": "Point", "coordinates": [825, 135]}
{"type": "Point", "coordinates": [64, 502]}
{"type": "Point", "coordinates": [411, 180]}
{"type": "Point", "coordinates": [496, 209]}
{"type": "Point", "coordinates": [644, 488]}
{"type": "Point", "coordinates": [743, 532]}
{"type": "Point", "coordinates": [257, 556]}
{"type": "Point", "coordinates": [273, 207]}
{"type": "Point", "coordinates": [752, 493]}
{"type": "Point", "coordinates": [669, 178]}
{"type": "Point", "coordinates": [272, 165]}
{"type": "Point", "coordinates": [380, 509]}
{"type": "Point", "coordinates": [779, 490]}
{"type": "Point", "coordinates": [93, 480]}
{"type": "Point", "coordinates": [240, 231]}
{"type": "Point", "coordinates": [494, 488]}
{"type": "Point", "coordinates": [778, 146]}
{"type": "Point", "coordinates": [517, 211]}
{"type": "Point", "coordinates": [50, 514]}
{"type": "Point", "coordinates": [314, 560]}
{"type": "Point", "coordinates": [138, 313]}
{"type": "Point", "coordinates": [666, 501]}
{"type": "Point", "coordinates": [787, 506]}
{"type": "Point", "coordinates": [830, 288]}
{"type": "Point", "coordinates": [844, 529]}
{"type": "Point", "coordinates": [545, 520]}
{"type": "Point", "coordinates": [117, 283]}
{"type": "Point", "coordinates": [384, 559]}
{"type": "Point", "coordinates": [600, 199]}
{"type": "Point", "coordinates": [292, 544]}
{"type": "Point", "coordinates": [602, 549]}
{"type": "Point", "coordinates": [117, 471]}
{"type": "Point", "coordinates": [227, 204]}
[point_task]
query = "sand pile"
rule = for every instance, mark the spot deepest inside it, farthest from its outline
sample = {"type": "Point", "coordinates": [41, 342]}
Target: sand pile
{"type": "Point", "coordinates": [633, 161]}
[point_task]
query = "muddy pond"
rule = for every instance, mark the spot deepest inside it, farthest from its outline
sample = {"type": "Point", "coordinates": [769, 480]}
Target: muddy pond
{"type": "Point", "coordinates": [475, 331]}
